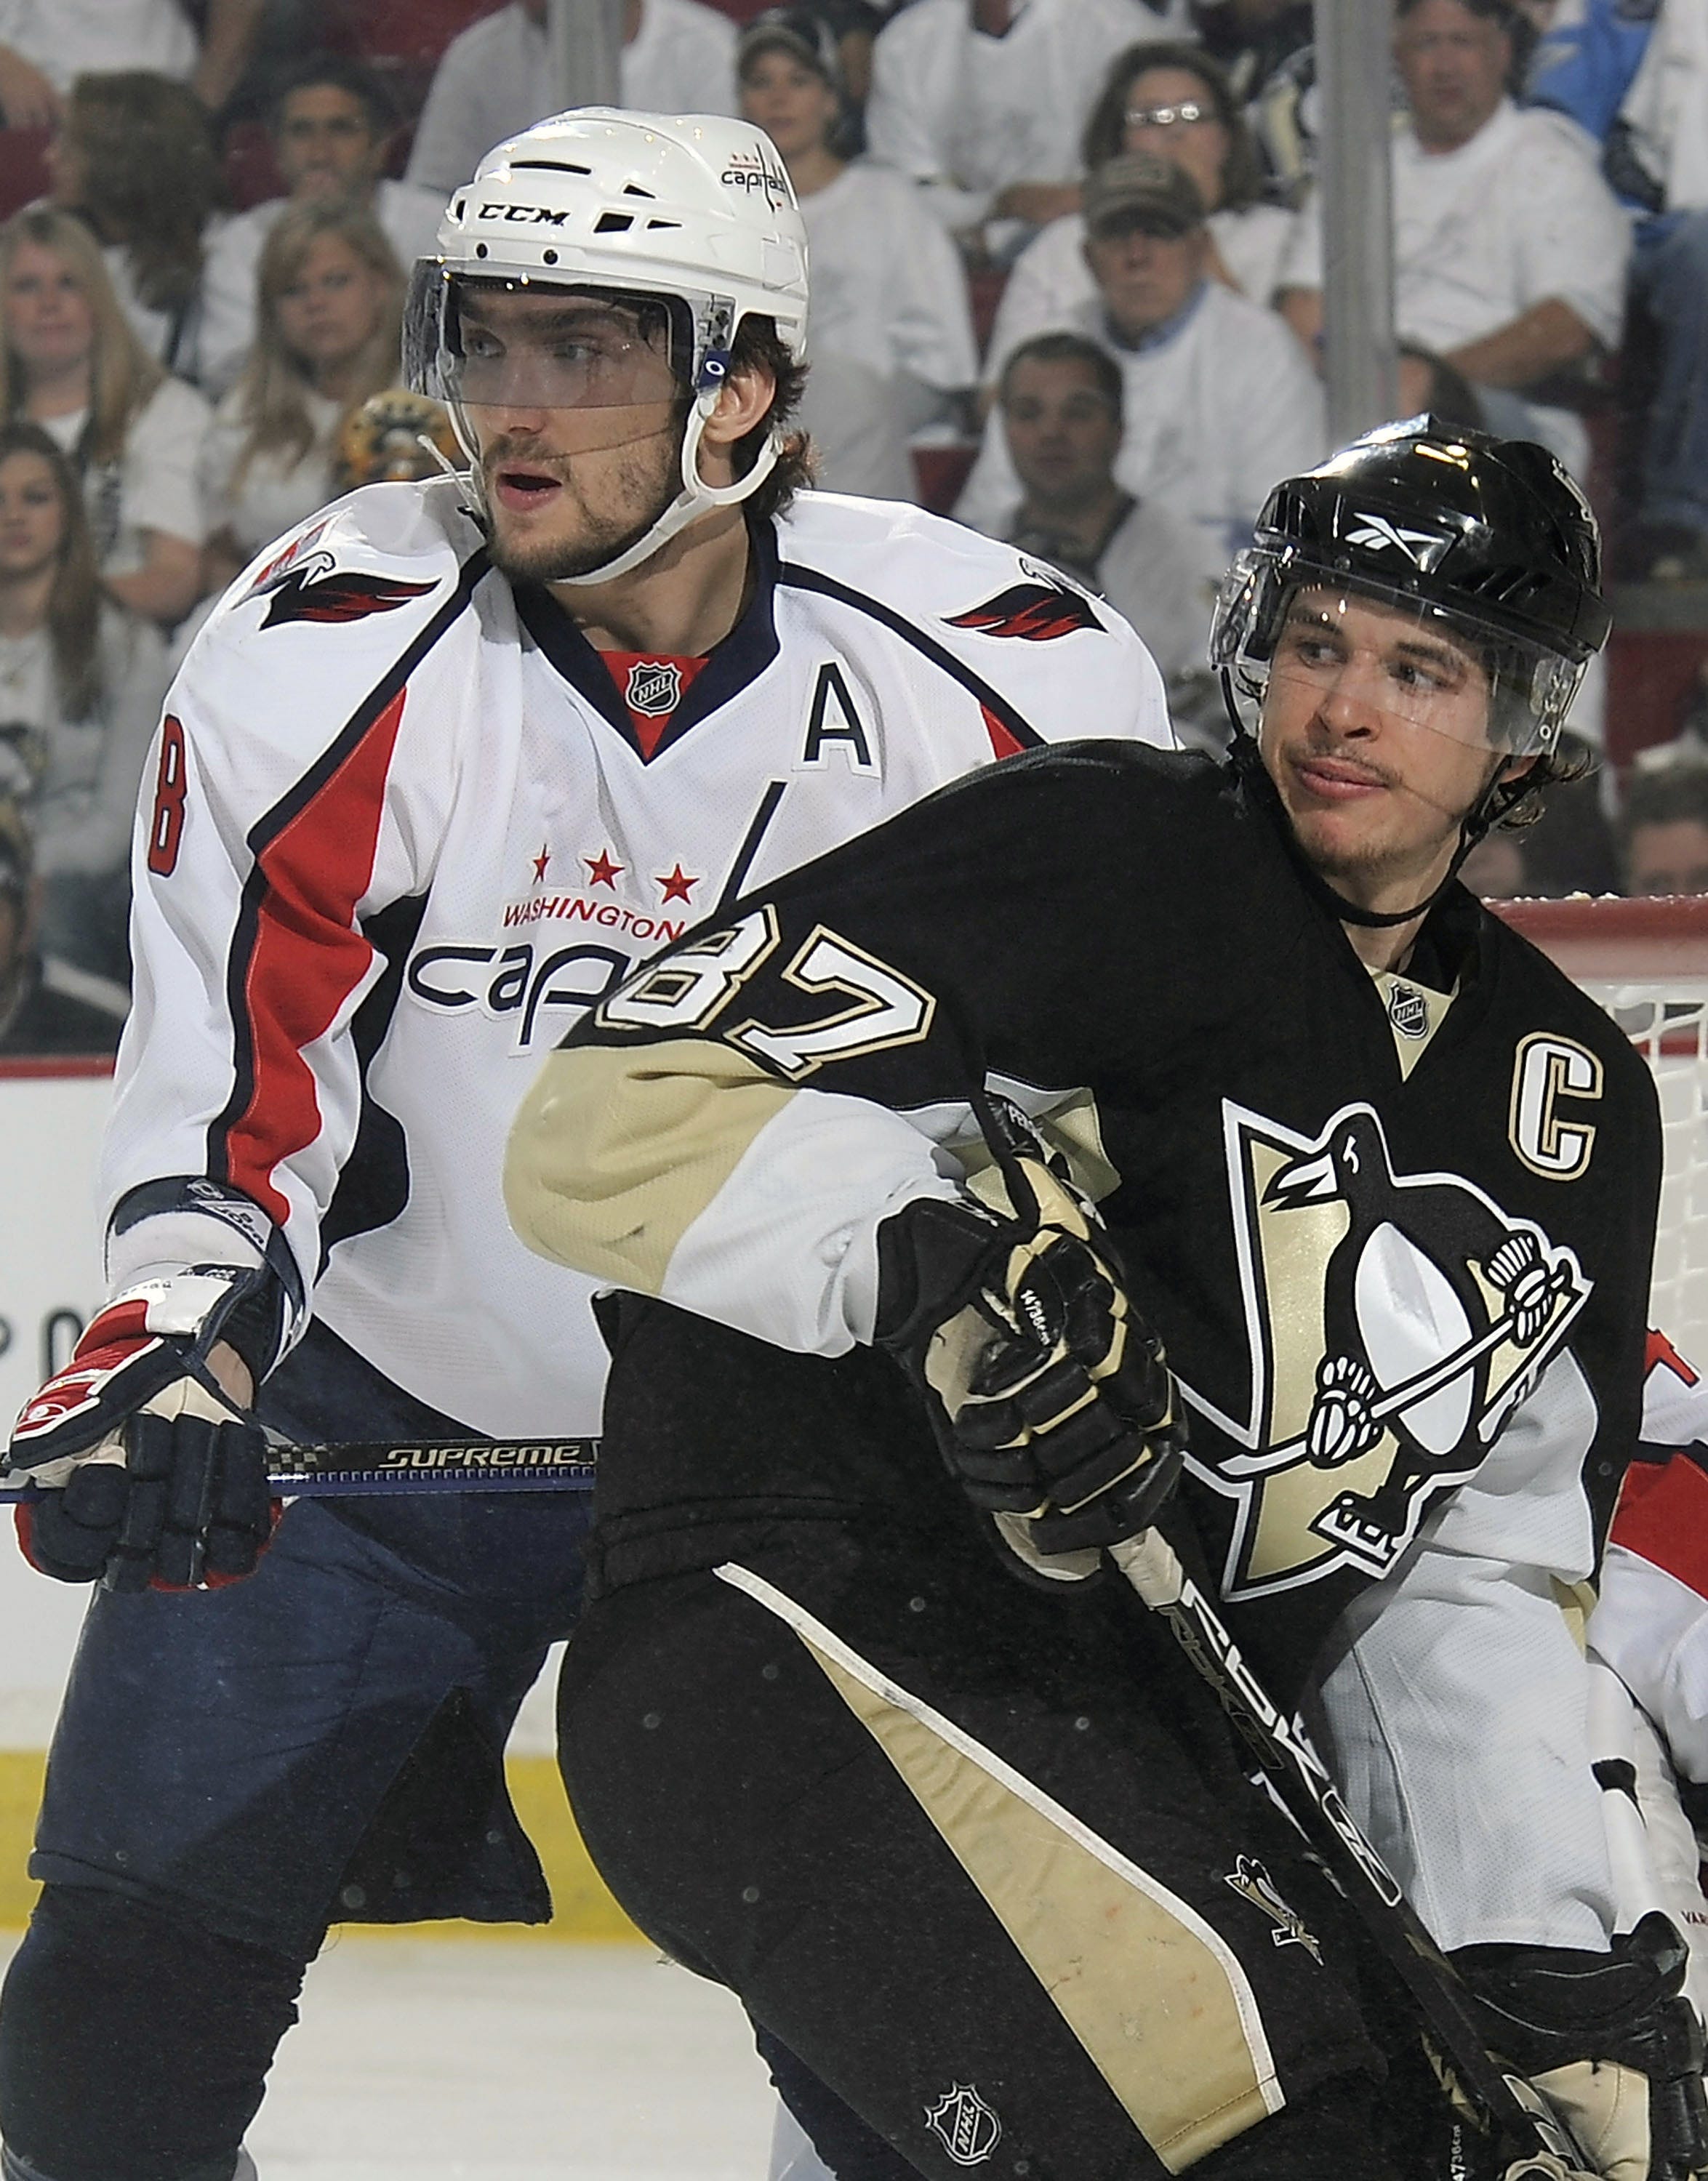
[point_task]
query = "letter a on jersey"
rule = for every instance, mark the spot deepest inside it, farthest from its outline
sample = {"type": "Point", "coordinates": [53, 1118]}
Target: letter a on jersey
{"type": "Point", "coordinates": [1394, 1320]}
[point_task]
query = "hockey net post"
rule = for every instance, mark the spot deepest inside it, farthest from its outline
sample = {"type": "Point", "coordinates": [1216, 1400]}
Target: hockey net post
{"type": "Point", "coordinates": [1646, 963]}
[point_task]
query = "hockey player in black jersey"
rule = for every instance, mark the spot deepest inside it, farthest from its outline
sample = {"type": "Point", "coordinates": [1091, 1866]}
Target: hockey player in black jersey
{"type": "Point", "coordinates": [1378, 1182]}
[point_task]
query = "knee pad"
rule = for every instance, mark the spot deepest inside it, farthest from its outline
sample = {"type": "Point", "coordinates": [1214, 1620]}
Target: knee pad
{"type": "Point", "coordinates": [134, 2041]}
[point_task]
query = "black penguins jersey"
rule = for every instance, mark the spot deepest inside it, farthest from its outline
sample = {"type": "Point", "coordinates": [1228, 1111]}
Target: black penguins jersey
{"type": "Point", "coordinates": [1395, 1231]}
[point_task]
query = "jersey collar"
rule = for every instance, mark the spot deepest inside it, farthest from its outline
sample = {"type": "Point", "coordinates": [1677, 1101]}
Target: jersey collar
{"type": "Point", "coordinates": [741, 658]}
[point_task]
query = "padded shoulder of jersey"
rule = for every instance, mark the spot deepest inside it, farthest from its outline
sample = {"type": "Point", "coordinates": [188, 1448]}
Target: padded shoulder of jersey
{"type": "Point", "coordinates": [321, 618]}
{"type": "Point", "coordinates": [1570, 1009]}
{"type": "Point", "coordinates": [1017, 622]}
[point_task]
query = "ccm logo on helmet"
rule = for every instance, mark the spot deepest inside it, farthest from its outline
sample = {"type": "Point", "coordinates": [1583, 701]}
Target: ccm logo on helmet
{"type": "Point", "coordinates": [523, 215]}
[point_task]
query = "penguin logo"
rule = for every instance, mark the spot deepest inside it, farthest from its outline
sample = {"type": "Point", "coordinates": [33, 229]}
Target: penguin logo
{"type": "Point", "coordinates": [1394, 1320]}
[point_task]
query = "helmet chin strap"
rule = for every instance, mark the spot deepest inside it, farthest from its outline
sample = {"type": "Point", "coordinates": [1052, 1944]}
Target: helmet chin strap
{"type": "Point", "coordinates": [696, 498]}
{"type": "Point", "coordinates": [1496, 799]}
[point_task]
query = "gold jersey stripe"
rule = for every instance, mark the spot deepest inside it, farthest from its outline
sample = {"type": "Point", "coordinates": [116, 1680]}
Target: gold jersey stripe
{"type": "Point", "coordinates": [1153, 1993]}
{"type": "Point", "coordinates": [617, 1149]}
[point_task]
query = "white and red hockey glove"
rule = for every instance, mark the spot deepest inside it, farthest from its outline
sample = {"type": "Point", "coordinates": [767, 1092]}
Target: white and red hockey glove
{"type": "Point", "coordinates": [147, 1475]}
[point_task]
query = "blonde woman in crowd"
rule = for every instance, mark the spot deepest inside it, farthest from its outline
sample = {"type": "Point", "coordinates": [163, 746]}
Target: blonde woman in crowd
{"type": "Point", "coordinates": [81, 682]}
{"type": "Point", "coordinates": [135, 157]}
{"type": "Point", "coordinates": [1172, 101]}
{"type": "Point", "coordinates": [70, 363]}
{"type": "Point", "coordinates": [330, 300]}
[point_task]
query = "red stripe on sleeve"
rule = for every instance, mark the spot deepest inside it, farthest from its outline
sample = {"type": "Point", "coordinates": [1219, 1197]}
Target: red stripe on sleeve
{"type": "Point", "coordinates": [307, 958]}
{"type": "Point", "coordinates": [1002, 742]}
{"type": "Point", "coordinates": [1663, 1516]}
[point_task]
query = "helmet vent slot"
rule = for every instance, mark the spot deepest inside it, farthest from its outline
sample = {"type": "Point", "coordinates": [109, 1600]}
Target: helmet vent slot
{"type": "Point", "coordinates": [652, 224]}
{"type": "Point", "coordinates": [634, 189]}
{"type": "Point", "coordinates": [613, 223]}
{"type": "Point", "coordinates": [547, 166]}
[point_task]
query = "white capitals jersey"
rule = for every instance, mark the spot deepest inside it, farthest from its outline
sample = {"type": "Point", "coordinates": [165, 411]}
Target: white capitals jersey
{"type": "Point", "coordinates": [401, 829]}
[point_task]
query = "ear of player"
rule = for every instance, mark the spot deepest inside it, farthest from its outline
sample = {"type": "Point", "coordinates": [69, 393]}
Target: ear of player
{"type": "Point", "coordinates": [1048, 1396]}
{"type": "Point", "coordinates": [147, 1474]}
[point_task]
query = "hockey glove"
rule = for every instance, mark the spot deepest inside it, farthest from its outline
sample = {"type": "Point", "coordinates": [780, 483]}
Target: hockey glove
{"type": "Point", "coordinates": [1048, 1396]}
{"type": "Point", "coordinates": [146, 1473]}
{"type": "Point", "coordinates": [1608, 2041]}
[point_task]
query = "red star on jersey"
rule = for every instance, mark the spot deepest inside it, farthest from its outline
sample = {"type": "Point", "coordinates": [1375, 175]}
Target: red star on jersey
{"type": "Point", "coordinates": [678, 885]}
{"type": "Point", "coordinates": [604, 872]}
{"type": "Point", "coordinates": [539, 863]}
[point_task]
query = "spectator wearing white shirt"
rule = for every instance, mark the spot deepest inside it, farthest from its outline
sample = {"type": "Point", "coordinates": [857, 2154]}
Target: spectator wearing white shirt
{"type": "Point", "coordinates": [45, 45]}
{"type": "Point", "coordinates": [1510, 250]}
{"type": "Point", "coordinates": [332, 126]}
{"type": "Point", "coordinates": [1060, 401]}
{"type": "Point", "coordinates": [1220, 401]}
{"type": "Point", "coordinates": [890, 332]}
{"type": "Point", "coordinates": [496, 77]}
{"type": "Point", "coordinates": [81, 682]}
{"type": "Point", "coordinates": [330, 297]}
{"type": "Point", "coordinates": [134, 158]}
{"type": "Point", "coordinates": [1172, 101]}
{"type": "Point", "coordinates": [70, 363]}
{"type": "Point", "coordinates": [984, 102]}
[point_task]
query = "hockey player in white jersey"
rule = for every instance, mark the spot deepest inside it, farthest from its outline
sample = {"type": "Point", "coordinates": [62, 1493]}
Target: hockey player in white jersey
{"type": "Point", "coordinates": [441, 768]}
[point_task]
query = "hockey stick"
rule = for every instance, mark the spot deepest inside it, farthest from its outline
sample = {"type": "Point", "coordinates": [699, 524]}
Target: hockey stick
{"type": "Point", "coordinates": [1544, 2147]}
{"type": "Point", "coordinates": [348, 1466]}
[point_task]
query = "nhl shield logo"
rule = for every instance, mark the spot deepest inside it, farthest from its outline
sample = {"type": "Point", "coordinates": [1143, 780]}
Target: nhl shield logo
{"type": "Point", "coordinates": [655, 687]}
{"type": "Point", "coordinates": [1394, 1320]}
{"type": "Point", "coordinates": [965, 2124]}
{"type": "Point", "coordinates": [1409, 1012]}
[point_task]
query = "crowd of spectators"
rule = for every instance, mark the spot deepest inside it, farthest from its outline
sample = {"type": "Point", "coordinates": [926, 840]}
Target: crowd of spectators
{"type": "Point", "coordinates": [1067, 275]}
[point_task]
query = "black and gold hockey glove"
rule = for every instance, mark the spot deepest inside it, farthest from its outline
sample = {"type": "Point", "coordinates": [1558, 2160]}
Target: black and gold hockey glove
{"type": "Point", "coordinates": [1048, 1394]}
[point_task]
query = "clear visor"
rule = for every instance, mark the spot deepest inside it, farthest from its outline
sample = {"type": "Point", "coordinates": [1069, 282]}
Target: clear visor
{"type": "Point", "coordinates": [1318, 649]}
{"type": "Point", "coordinates": [511, 345]}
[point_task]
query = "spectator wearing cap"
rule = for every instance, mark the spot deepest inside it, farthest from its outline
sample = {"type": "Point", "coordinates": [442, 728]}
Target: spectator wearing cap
{"type": "Point", "coordinates": [333, 125]}
{"type": "Point", "coordinates": [496, 77]}
{"type": "Point", "coordinates": [1060, 402]}
{"type": "Point", "coordinates": [891, 332]}
{"type": "Point", "coordinates": [1509, 250]}
{"type": "Point", "coordinates": [984, 102]}
{"type": "Point", "coordinates": [45, 45]}
{"type": "Point", "coordinates": [1665, 823]}
{"type": "Point", "coordinates": [45, 1007]}
{"type": "Point", "coordinates": [1173, 101]}
{"type": "Point", "coordinates": [134, 158]}
{"type": "Point", "coordinates": [1220, 401]}
{"type": "Point", "coordinates": [81, 683]}
{"type": "Point", "coordinates": [71, 362]}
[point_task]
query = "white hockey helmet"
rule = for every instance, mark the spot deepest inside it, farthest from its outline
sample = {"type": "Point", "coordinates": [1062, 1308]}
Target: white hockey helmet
{"type": "Point", "coordinates": [694, 210]}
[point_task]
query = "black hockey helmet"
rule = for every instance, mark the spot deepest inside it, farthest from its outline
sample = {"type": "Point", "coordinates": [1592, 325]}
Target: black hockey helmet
{"type": "Point", "coordinates": [1489, 539]}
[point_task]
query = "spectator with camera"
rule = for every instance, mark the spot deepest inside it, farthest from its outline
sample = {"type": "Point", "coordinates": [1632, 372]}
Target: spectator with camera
{"type": "Point", "coordinates": [81, 683]}
{"type": "Point", "coordinates": [333, 125]}
{"type": "Point", "coordinates": [1173, 101]}
{"type": "Point", "coordinates": [1219, 399]}
{"type": "Point", "coordinates": [892, 347]}
{"type": "Point", "coordinates": [71, 362]}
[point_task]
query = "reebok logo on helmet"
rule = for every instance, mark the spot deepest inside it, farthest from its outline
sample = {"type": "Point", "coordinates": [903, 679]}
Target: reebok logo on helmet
{"type": "Point", "coordinates": [1376, 534]}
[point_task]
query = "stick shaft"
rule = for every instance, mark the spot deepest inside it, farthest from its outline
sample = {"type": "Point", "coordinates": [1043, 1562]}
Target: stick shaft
{"type": "Point", "coordinates": [348, 1466]}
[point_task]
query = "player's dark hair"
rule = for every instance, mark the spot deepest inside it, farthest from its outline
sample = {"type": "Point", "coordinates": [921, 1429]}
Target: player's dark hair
{"type": "Point", "coordinates": [1558, 768]}
{"type": "Point", "coordinates": [1069, 348]}
{"type": "Point", "coordinates": [757, 347]}
{"type": "Point", "coordinates": [1667, 794]}
{"type": "Point", "coordinates": [341, 72]}
{"type": "Point", "coordinates": [1106, 127]}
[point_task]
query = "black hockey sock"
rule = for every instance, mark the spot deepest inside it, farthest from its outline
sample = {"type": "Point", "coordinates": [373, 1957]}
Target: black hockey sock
{"type": "Point", "coordinates": [135, 2042]}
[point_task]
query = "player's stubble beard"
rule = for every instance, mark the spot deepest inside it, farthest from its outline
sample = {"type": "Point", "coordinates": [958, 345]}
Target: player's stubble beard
{"type": "Point", "coordinates": [640, 474]}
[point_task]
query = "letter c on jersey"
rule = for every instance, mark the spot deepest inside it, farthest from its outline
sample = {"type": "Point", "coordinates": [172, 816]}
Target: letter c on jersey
{"type": "Point", "coordinates": [1546, 1069]}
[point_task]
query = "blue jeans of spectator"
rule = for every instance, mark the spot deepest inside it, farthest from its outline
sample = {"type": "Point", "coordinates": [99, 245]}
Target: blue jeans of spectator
{"type": "Point", "coordinates": [1669, 277]}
